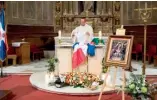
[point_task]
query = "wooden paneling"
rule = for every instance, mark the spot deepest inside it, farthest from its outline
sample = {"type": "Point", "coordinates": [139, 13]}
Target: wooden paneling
{"type": "Point", "coordinates": [138, 32]}
{"type": "Point", "coordinates": [42, 36]}
{"type": "Point", "coordinates": [30, 12]}
{"type": "Point", "coordinates": [23, 53]}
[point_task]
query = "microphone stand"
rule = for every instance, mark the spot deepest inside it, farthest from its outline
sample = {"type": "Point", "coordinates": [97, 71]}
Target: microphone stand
{"type": "Point", "coordinates": [2, 74]}
{"type": "Point", "coordinates": [2, 70]}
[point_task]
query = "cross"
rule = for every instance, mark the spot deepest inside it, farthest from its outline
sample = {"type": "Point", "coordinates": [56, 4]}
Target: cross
{"type": "Point", "coordinates": [146, 9]}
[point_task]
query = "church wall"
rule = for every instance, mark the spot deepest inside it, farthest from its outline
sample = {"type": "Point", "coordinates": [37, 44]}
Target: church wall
{"type": "Point", "coordinates": [31, 20]}
{"type": "Point", "coordinates": [30, 13]}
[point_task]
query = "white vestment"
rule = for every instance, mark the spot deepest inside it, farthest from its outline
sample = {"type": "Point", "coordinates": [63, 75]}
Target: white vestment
{"type": "Point", "coordinates": [80, 33]}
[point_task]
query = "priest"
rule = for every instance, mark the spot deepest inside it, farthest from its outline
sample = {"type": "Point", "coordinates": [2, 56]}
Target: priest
{"type": "Point", "coordinates": [83, 33]}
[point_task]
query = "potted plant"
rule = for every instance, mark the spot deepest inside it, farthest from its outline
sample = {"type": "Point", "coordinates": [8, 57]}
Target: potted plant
{"type": "Point", "coordinates": [50, 75]}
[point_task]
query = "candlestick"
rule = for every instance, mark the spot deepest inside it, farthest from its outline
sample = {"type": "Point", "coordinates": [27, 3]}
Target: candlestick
{"type": "Point", "coordinates": [145, 5]}
{"type": "Point", "coordinates": [86, 13]}
{"type": "Point", "coordinates": [121, 26]}
{"type": "Point", "coordinates": [145, 16]}
{"type": "Point", "coordinates": [65, 12]}
{"type": "Point", "coordinates": [100, 34]}
{"type": "Point", "coordinates": [59, 34]}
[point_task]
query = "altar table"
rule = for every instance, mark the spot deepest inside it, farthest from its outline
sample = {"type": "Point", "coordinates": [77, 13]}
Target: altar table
{"type": "Point", "coordinates": [64, 51]}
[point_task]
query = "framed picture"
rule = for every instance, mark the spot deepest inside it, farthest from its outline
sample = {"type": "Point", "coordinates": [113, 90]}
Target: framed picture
{"type": "Point", "coordinates": [118, 52]}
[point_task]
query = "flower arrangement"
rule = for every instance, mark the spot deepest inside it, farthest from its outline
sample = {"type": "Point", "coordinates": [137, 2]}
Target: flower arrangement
{"type": "Point", "coordinates": [137, 87]}
{"type": "Point", "coordinates": [80, 79]}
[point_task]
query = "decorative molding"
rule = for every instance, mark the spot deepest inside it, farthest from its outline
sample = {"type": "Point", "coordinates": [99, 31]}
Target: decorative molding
{"type": "Point", "coordinates": [117, 14]}
{"type": "Point", "coordinates": [76, 7]}
{"type": "Point", "coordinates": [35, 10]}
{"type": "Point", "coordinates": [14, 4]}
{"type": "Point", "coordinates": [122, 13]}
{"type": "Point", "coordinates": [101, 21]}
{"type": "Point", "coordinates": [58, 15]}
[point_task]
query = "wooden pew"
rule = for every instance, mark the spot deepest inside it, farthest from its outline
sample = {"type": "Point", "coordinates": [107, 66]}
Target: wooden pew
{"type": "Point", "coordinates": [138, 32]}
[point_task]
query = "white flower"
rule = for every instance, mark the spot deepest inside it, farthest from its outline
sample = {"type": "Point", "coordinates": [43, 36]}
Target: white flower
{"type": "Point", "coordinates": [80, 82]}
{"type": "Point", "coordinates": [134, 92]}
{"type": "Point", "coordinates": [137, 88]}
{"type": "Point", "coordinates": [95, 84]}
{"type": "Point", "coordinates": [74, 78]}
{"type": "Point", "coordinates": [143, 84]}
{"type": "Point", "coordinates": [62, 78]}
{"type": "Point", "coordinates": [144, 81]}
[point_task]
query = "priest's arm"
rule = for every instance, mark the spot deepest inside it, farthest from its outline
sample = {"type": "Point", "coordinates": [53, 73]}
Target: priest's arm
{"type": "Point", "coordinates": [89, 34]}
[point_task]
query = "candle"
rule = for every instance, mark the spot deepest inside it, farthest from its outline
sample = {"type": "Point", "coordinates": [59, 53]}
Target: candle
{"type": "Point", "coordinates": [121, 26]}
{"type": "Point", "coordinates": [59, 34]}
{"type": "Point", "coordinates": [145, 5]}
{"type": "Point", "coordinates": [65, 12]}
{"type": "Point", "coordinates": [100, 34]}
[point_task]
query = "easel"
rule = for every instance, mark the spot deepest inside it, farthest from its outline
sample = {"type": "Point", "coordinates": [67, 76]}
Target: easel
{"type": "Point", "coordinates": [114, 81]}
{"type": "Point", "coordinates": [120, 31]}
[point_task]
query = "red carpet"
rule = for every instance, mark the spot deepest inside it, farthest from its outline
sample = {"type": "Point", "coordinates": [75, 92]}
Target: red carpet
{"type": "Point", "coordinates": [22, 90]}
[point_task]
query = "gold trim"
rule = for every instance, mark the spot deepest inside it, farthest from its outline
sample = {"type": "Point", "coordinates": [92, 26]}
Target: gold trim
{"type": "Point", "coordinates": [146, 9]}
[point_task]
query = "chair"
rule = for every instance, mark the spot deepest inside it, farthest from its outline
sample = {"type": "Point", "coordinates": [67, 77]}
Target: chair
{"type": "Point", "coordinates": [137, 50]}
{"type": "Point", "coordinates": [151, 52]}
{"type": "Point", "coordinates": [155, 60]}
{"type": "Point", "coordinates": [11, 54]}
{"type": "Point", "coordinates": [35, 52]}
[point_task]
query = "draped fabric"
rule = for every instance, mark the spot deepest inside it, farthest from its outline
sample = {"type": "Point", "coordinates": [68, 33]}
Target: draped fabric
{"type": "Point", "coordinates": [80, 53]}
{"type": "Point", "coordinates": [3, 37]}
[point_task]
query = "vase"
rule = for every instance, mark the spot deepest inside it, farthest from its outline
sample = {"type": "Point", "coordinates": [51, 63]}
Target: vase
{"type": "Point", "coordinates": [49, 78]}
{"type": "Point", "coordinates": [108, 79]}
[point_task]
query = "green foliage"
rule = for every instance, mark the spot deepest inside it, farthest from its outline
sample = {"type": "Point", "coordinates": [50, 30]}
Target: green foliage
{"type": "Point", "coordinates": [97, 41]}
{"type": "Point", "coordinates": [137, 87]}
{"type": "Point", "coordinates": [104, 68]}
{"type": "Point", "coordinates": [52, 64]}
{"type": "Point", "coordinates": [79, 86]}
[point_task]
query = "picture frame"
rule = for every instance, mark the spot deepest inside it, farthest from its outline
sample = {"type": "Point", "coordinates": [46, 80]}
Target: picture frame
{"type": "Point", "coordinates": [118, 51]}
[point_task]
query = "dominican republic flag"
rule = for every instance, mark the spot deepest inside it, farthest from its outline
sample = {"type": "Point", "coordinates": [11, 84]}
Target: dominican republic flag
{"type": "Point", "coordinates": [3, 37]}
{"type": "Point", "coordinates": [79, 54]}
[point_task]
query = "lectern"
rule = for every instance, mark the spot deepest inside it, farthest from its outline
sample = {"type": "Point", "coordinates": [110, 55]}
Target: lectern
{"type": "Point", "coordinates": [22, 51]}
